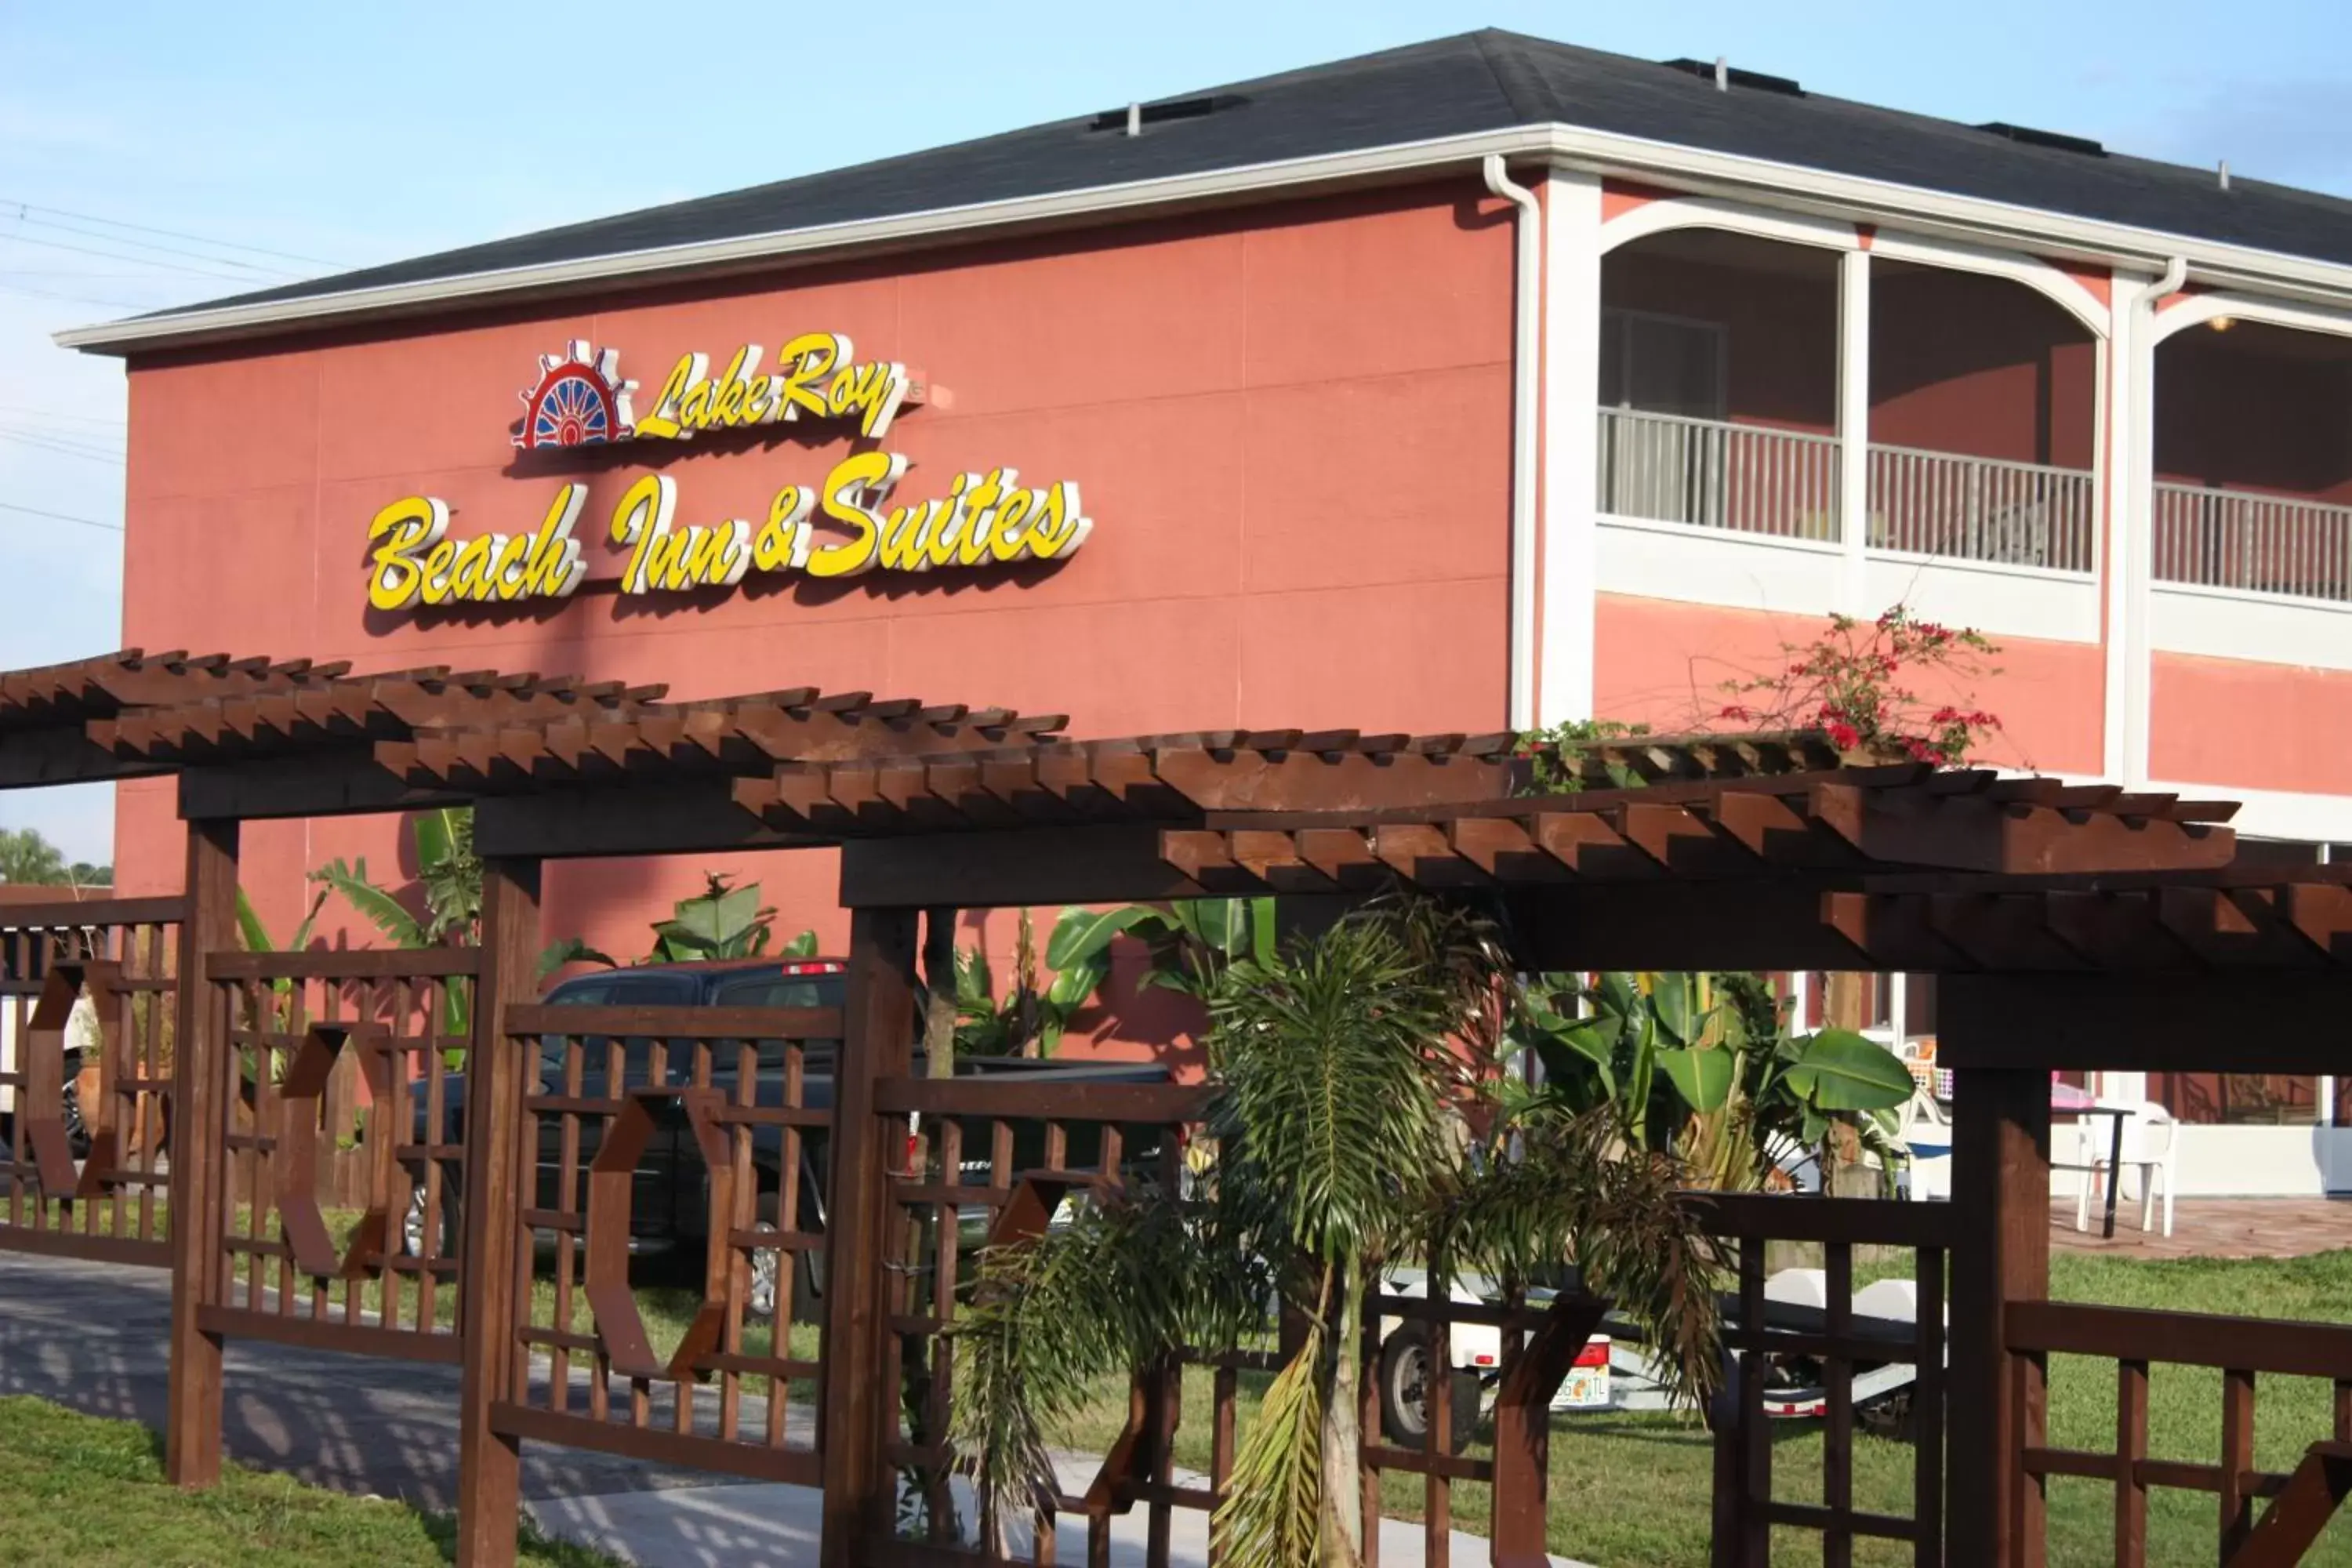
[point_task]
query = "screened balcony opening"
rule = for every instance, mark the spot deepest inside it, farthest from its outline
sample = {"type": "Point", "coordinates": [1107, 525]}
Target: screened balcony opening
{"type": "Point", "coordinates": [1983, 421]}
{"type": "Point", "coordinates": [1719, 384]}
{"type": "Point", "coordinates": [1719, 397]}
{"type": "Point", "coordinates": [2253, 460]}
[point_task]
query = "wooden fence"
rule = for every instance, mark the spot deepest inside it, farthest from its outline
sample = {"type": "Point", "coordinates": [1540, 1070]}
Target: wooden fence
{"type": "Point", "coordinates": [712, 1101]}
{"type": "Point", "coordinates": [1747, 1508]}
{"type": "Point", "coordinates": [102, 1200]}
{"type": "Point", "coordinates": [516, 1136]}
{"type": "Point", "coordinates": [2301, 1500]}
{"type": "Point", "coordinates": [295, 1025]}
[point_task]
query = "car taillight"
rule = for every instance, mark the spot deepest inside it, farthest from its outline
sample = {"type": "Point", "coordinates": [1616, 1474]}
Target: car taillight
{"type": "Point", "coordinates": [819, 966]}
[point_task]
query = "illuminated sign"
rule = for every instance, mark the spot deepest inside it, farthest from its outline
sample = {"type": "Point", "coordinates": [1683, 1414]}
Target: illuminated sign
{"type": "Point", "coordinates": [849, 524]}
{"type": "Point", "coordinates": [579, 399]}
{"type": "Point", "coordinates": [843, 528]}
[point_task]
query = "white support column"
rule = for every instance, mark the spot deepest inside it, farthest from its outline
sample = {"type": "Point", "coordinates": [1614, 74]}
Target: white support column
{"type": "Point", "coordinates": [1571, 446]}
{"type": "Point", "coordinates": [2129, 542]}
{"type": "Point", "coordinates": [2121, 391]}
{"type": "Point", "coordinates": [1853, 428]}
{"type": "Point", "coordinates": [2138, 538]}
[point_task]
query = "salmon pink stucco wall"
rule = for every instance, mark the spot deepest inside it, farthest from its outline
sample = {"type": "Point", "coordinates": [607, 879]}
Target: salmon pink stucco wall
{"type": "Point", "coordinates": [1664, 664]}
{"type": "Point", "coordinates": [2249, 726]}
{"type": "Point", "coordinates": [1290, 424]}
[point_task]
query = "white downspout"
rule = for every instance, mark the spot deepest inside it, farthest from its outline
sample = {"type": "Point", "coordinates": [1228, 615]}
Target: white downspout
{"type": "Point", "coordinates": [1526, 387]}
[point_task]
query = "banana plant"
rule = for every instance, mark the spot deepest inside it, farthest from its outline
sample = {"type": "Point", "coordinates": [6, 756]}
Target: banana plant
{"type": "Point", "coordinates": [723, 921]}
{"type": "Point", "coordinates": [449, 874]}
{"type": "Point", "coordinates": [1079, 952]}
{"type": "Point", "coordinates": [1191, 941]}
{"type": "Point", "coordinates": [1702, 1065]}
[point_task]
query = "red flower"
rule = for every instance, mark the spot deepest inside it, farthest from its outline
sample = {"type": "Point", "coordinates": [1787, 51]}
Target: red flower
{"type": "Point", "coordinates": [1843, 735]}
{"type": "Point", "coordinates": [1733, 710]}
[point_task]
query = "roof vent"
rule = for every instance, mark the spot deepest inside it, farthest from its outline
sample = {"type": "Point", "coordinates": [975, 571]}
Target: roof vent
{"type": "Point", "coordinates": [2032, 138]}
{"type": "Point", "coordinates": [1136, 116]}
{"type": "Point", "coordinates": [1715, 71]}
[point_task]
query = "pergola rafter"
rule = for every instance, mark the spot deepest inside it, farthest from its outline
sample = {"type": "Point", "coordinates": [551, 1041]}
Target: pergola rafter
{"type": "Point", "coordinates": [45, 712]}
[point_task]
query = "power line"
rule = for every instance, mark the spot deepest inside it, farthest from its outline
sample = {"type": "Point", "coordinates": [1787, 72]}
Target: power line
{"type": "Point", "coordinates": [60, 517]}
{"type": "Point", "coordinates": [23, 411]}
{"type": "Point", "coordinates": [23, 216]}
{"type": "Point", "coordinates": [168, 233]}
{"type": "Point", "coordinates": [73, 298]}
{"type": "Point", "coordinates": [84, 454]}
{"type": "Point", "coordinates": [137, 260]}
{"type": "Point", "coordinates": [103, 443]}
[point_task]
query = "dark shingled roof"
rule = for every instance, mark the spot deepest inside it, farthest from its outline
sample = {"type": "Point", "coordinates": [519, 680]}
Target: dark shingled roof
{"type": "Point", "coordinates": [1481, 81]}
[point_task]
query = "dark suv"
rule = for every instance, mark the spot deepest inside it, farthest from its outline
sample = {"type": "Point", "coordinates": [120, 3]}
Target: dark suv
{"type": "Point", "coordinates": [669, 1204]}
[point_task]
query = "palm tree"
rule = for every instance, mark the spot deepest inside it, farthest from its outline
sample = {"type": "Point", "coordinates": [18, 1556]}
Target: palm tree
{"type": "Point", "coordinates": [1357, 1121]}
{"type": "Point", "coordinates": [28, 858]}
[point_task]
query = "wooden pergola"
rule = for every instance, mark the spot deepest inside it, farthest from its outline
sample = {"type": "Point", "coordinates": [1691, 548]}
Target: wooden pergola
{"type": "Point", "coordinates": [2077, 926]}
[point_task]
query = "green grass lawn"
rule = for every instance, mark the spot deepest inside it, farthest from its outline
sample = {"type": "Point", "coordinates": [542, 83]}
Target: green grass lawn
{"type": "Point", "coordinates": [1632, 1491]}
{"type": "Point", "coordinates": [80, 1492]}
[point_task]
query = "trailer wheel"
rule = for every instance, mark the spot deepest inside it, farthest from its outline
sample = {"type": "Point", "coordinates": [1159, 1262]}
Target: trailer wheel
{"type": "Point", "coordinates": [1890, 1417]}
{"type": "Point", "coordinates": [1404, 1392]}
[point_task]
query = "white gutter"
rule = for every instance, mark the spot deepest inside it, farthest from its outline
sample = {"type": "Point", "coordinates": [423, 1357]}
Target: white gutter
{"type": "Point", "coordinates": [1527, 383]}
{"type": "Point", "coordinates": [1784, 186]}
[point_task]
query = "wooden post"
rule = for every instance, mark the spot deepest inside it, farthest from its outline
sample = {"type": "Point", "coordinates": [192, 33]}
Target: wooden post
{"type": "Point", "coordinates": [861, 1377]}
{"type": "Point", "coordinates": [490, 1463]}
{"type": "Point", "coordinates": [192, 1430]}
{"type": "Point", "coordinates": [1533, 1371]}
{"type": "Point", "coordinates": [2000, 1197]}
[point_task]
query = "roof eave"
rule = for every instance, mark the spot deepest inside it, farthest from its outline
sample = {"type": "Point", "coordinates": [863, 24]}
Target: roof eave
{"type": "Point", "coordinates": [1696, 169]}
{"type": "Point", "coordinates": [874, 235]}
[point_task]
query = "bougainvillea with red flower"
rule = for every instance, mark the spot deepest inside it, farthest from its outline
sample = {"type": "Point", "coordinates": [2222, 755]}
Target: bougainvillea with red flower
{"type": "Point", "coordinates": [1856, 684]}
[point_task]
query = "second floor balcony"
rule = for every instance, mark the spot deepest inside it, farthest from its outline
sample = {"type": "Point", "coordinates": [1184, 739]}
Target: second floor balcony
{"type": "Point", "coordinates": [1712, 473]}
{"type": "Point", "coordinates": [1785, 484]}
{"type": "Point", "coordinates": [1725, 387]}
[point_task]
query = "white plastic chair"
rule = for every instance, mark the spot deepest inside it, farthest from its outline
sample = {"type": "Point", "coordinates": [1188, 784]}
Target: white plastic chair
{"type": "Point", "coordinates": [2151, 1145]}
{"type": "Point", "coordinates": [1926, 1131]}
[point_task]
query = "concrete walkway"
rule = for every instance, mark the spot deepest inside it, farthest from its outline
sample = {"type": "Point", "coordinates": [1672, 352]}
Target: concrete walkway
{"type": "Point", "coordinates": [96, 1339]}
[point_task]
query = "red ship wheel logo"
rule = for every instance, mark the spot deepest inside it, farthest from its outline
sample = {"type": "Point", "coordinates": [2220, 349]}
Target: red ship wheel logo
{"type": "Point", "coordinates": [580, 400]}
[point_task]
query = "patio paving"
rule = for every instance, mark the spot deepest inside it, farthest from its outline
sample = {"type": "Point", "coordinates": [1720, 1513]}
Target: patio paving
{"type": "Point", "coordinates": [2212, 1227]}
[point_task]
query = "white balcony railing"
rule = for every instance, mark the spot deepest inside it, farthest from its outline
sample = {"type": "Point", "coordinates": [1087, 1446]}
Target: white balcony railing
{"type": "Point", "coordinates": [1717, 475]}
{"type": "Point", "coordinates": [1977, 509]}
{"type": "Point", "coordinates": [1785, 484]}
{"type": "Point", "coordinates": [2264, 544]}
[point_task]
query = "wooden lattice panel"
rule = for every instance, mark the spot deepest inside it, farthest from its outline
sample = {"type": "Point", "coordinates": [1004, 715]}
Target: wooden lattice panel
{"type": "Point", "coordinates": [104, 1198]}
{"type": "Point", "coordinates": [318, 1242]}
{"type": "Point", "coordinates": [653, 1124]}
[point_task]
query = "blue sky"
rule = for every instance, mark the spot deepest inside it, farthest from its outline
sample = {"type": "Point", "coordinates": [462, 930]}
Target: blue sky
{"type": "Point", "coordinates": [354, 134]}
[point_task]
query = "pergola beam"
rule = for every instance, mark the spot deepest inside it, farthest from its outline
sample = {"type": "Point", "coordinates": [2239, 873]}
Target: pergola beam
{"type": "Point", "coordinates": [33, 759]}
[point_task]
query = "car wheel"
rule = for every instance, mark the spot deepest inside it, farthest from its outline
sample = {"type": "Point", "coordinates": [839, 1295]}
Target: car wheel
{"type": "Point", "coordinates": [70, 1111]}
{"type": "Point", "coordinates": [767, 1265]}
{"type": "Point", "coordinates": [1404, 1392]}
{"type": "Point", "coordinates": [418, 1220]}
